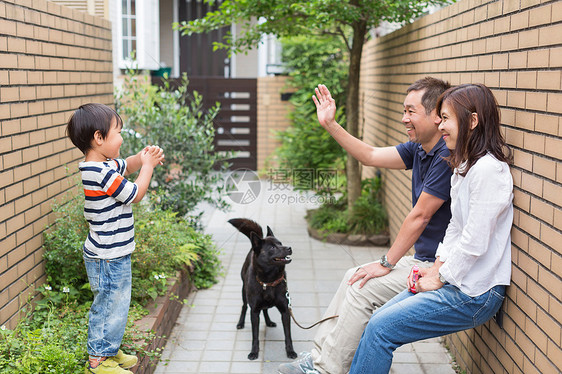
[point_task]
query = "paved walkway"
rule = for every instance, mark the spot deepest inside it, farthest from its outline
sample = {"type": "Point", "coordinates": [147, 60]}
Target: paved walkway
{"type": "Point", "coordinates": [205, 338]}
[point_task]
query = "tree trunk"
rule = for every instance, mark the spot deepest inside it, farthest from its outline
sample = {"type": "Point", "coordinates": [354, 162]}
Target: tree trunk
{"type": "Point", "coordinates": [353, 168]}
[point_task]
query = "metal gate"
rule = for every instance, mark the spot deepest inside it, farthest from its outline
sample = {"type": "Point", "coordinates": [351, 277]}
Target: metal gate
{"type": "Point", "coordinates": [236, 122]}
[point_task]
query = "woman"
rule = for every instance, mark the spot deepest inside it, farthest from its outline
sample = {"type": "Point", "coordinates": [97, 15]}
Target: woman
{"type": "Point", "coordinates": [466, 285]}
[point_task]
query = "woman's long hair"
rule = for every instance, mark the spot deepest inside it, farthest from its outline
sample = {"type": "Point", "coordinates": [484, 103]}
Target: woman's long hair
{"type": "Point", "coordinates": [466, 99]}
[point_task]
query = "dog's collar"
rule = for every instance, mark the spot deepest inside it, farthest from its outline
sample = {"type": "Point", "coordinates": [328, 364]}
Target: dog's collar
{"type": "Point", "coordinates": [272, 284]}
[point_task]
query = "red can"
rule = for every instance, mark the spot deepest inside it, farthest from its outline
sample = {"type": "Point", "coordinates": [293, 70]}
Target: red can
{"type": "Point", "coordinates": [416, 276]}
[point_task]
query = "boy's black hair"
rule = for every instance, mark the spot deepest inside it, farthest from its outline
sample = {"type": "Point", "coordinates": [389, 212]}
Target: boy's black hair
{"type": "Point", "coordinates": [88, 119]}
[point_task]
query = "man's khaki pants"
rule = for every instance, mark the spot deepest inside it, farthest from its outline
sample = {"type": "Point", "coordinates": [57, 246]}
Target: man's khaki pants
{"type": "Point", "coordinates": [337, 339]}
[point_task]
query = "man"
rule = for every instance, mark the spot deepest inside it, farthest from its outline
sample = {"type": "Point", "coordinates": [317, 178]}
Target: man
{"type": "Point", "coordinates": [369, 286]}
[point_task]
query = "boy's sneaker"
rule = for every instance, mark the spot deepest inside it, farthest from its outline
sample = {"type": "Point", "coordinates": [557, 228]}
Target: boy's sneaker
{"type": "Point", "coordinates": [303, 365]}
{"type": "Point", "coordinates": [124, 361]}
{"type": "Point", "coordinates": [107, 366]}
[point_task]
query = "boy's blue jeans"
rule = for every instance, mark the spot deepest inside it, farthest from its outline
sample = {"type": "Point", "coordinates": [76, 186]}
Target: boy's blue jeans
{"type": "Point", "coordinates": [411, 317]}
{"type": "Point", "coordinates": [110, 281]}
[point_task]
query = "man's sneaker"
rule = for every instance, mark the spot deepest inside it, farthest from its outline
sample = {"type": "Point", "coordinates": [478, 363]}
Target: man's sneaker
{"type": "Point", "coordinates": [125, 361]}
{"type": "Point", "coordinates": [107, 366]}
{"type": "Point", "coordinates": [303, 365]}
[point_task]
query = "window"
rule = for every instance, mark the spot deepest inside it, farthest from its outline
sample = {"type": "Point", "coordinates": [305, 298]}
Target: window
{"type": "Point", "coordinates": [137, 30]}
{"type": "Point", "coordinates": [129, 28]}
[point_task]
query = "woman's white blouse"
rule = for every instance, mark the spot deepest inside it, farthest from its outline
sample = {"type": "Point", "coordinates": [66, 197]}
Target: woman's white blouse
{"type": "Point", "coordinates": [476, 249]}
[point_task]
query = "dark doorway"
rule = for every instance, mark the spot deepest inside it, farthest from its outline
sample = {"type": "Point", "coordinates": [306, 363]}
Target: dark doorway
{"type": "Point", "coordinates": [235, 124]}
{"type": "Point", "coordinates": [197, 57]}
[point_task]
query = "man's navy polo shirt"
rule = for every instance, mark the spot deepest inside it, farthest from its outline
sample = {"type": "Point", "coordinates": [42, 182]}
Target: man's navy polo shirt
{"type": "Point", "coordinates": [430, 174]}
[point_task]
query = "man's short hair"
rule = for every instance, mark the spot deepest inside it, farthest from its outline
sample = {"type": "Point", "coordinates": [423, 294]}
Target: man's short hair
{"type": "Point", "coordinates": [88, 119]}
{"type": "Point", "coordinates": [433, 88]}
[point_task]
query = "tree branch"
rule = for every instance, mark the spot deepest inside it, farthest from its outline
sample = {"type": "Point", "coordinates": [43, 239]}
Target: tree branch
{"type": "Point", "coordinates": [342, 34]}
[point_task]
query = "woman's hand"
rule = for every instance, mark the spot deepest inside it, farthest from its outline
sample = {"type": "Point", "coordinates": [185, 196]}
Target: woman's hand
{"type": "Point", "coordinates": [422, 272]}
{"type": "Point", "coordinates": [429, 283]}
{"type": "Point", "coordinates": [428, 279]}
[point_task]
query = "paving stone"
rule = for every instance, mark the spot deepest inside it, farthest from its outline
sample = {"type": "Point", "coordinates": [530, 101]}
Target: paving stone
{"type": "Point", "coordinates": [246, 367]}
{"type": "Point", "coordinates": [213, 367]}
{"type": "Point", "coordinates": [399, 368]}
{"type": "Point", "coordinates": [176, 367]}
{"type": "Point", "coordinates": [405, 358]}
{"type": "Point", "coordinates": [444, 368]}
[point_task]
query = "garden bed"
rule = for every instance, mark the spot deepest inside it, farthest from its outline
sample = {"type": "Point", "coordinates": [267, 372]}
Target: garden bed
{"type": "Point", "coordinates": [361, 240]}
{"type": "Point", "coordinates": [378, 240]}
{"type": "Point", "coordinates": [161, 319]}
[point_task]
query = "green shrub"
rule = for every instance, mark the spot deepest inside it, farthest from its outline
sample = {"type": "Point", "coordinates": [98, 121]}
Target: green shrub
{"type": "Point", "coordinates": [328, 216]}
{"type": "Point", "coordinates": [208, 266]}
{"type": "Point", "coordinates": [50, 343]}
{"type": "Point", "coordinates": [53, 339]}
{"type": "Point", "coordinates": [165, 243]}
{"type": "Point", "coordinates": [64, 239]}
{"type": "Point", "coordinates": [177, 122]}
{"type": "Point", "coordinates": [305, 144]}
{"type": "Point", "coordinates": [368, 215]}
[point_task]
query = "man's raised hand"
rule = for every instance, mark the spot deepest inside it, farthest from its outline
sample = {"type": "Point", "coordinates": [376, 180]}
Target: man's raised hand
{"type": "Point", "coordinates": [325, 108]}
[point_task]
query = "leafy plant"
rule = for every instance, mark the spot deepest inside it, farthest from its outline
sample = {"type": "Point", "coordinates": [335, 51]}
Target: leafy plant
{"type": "Point", "coordinates": [165, 243]}
{"type": "Point", "coordinates": [326, 217]}
{"type": "Point", "coordinates": [368, 215]}
{"type": "Point", "coordinates": [305, 145]}
{"type": "Point", "coordinates": [53, 339]}
{"type": "Point", "coordinates": [176, 121]}
{"type": "Point", "coordinates": [207, 267]}
{"type": "Point", "coordinates": [63, 244]}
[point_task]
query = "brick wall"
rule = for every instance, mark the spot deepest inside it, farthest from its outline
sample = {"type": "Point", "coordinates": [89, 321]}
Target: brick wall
{"type": "Point", "coordinates": [272, 116]}
{"type": "Point", "coordinates": [515, 48]}
{"type": "Point", "coordinates": [52, 59]}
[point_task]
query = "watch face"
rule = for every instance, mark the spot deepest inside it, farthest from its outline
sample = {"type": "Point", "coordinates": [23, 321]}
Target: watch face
{"type": "Point", "coordinates": [385, 263]}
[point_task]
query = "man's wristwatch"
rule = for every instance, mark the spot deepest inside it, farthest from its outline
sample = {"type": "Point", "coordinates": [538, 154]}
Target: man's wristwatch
{"type": "Point", "coordinates": [385, 263]}
{"type": "Point", "coordinates": [442, 279]}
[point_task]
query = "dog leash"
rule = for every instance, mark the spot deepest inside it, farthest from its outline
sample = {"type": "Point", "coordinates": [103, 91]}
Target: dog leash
{"type": "Point", "coordinates": [294, 319]}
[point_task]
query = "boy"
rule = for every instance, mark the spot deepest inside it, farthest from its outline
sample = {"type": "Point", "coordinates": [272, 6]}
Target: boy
{"type": "Point", "coordinates": [96, 130]}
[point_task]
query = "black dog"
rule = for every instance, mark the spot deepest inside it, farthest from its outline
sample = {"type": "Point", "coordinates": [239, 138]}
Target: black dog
{"type": "Point", "coordinates": [264, 282]}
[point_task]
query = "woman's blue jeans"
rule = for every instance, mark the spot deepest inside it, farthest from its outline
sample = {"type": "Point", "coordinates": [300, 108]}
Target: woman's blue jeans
{"type": "Point", "coordinates": [110, 281]}
{"type": "Point", "coordinates": [411, 317]}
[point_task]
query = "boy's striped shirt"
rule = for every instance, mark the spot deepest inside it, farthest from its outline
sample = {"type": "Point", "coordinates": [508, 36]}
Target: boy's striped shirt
{"type": "Point", "coordinates": [107, 208]}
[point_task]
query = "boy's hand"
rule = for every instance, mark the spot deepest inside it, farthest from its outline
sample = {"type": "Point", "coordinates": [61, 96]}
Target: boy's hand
{"type": "Point", "coordinates": [152, 156]}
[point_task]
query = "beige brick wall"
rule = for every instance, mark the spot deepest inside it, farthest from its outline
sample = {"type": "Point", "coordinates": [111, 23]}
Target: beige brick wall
{"type": "Point", "coordinates": [514, 47]}
{"type": "Point", "coordinates": [52, 59]}
{"type": "Point", "coordinates": [272, 116]}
